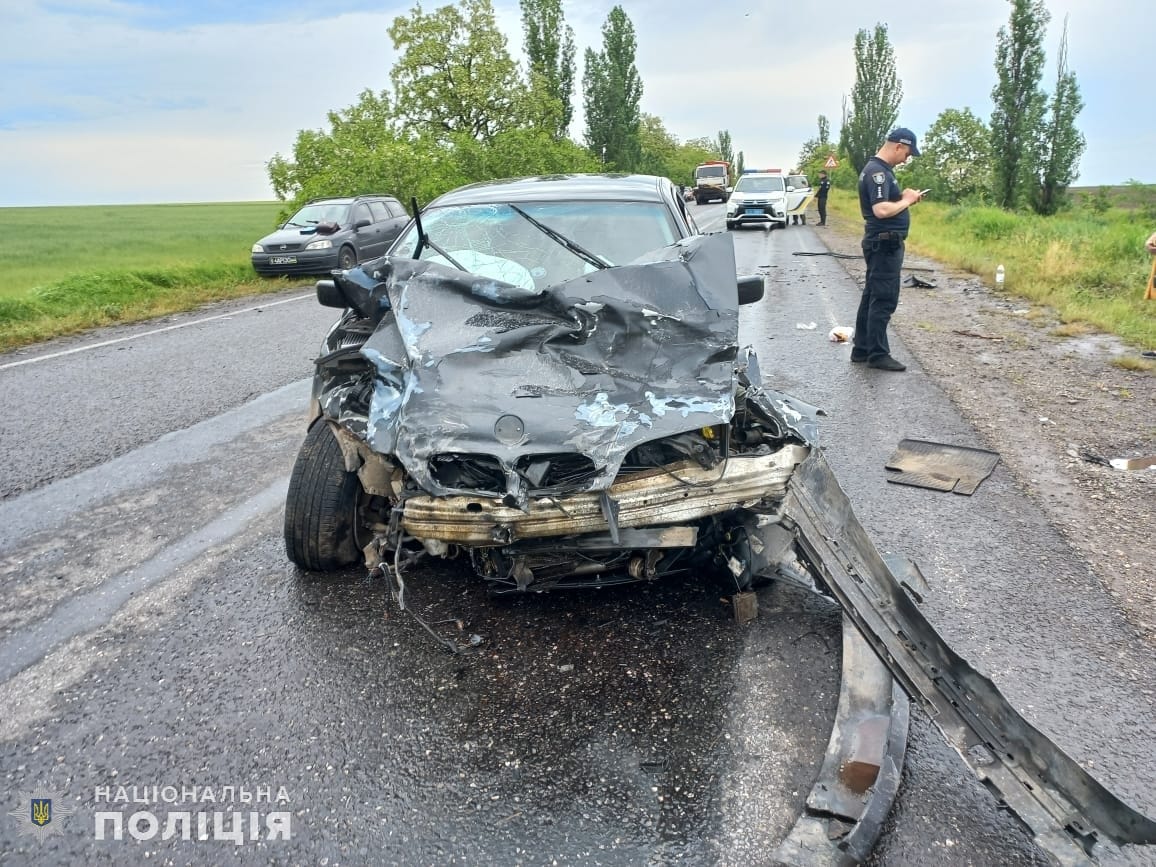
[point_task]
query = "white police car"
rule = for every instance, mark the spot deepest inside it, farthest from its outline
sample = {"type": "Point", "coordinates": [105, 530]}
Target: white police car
{"type": "Point", "coordinates": [760, 198]}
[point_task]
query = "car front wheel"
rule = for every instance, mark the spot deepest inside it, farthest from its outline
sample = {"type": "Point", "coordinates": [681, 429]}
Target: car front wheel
{"type": "Point", "coordinates": [346, 259]}
{"type": "Point", "coordinates": [322, 516]}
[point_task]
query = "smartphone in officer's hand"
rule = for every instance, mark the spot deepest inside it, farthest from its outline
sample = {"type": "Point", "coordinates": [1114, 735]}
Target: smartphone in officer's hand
{"type": "Point", "coordinates": [925, 192]}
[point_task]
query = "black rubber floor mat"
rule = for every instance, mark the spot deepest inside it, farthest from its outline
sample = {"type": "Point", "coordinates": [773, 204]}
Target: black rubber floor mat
{"type": "Point", "coordinates": [940, 467]}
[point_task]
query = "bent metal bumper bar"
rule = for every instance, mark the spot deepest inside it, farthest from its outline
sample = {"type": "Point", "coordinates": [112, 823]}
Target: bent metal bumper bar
{"type": "Point", "coordinates": [1065, 808]}
{"type": "Point", "coordinates": [676, 494]}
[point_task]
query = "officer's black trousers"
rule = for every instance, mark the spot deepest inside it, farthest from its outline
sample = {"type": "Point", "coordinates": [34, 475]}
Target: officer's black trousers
{"type": "Point", "coordinates": [822, 200]}
{"type": "Point", "coordinates": [880, 297]}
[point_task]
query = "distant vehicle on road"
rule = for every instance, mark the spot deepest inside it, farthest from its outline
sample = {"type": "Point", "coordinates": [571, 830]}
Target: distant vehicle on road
{"type": "Point", "coordinates": [331, 234]}
{"type": "Point", "coordinates": [712, 181]}
{"type": "Point", "coordinates": [759, 198]}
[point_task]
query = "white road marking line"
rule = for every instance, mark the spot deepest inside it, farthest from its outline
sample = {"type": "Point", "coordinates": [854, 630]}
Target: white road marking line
{"type": "Point", "coordinates": [104, 343]}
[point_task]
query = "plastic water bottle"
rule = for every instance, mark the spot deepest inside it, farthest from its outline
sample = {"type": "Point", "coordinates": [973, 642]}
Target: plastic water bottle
{"type": "Point", "coordinates": [999, 276]}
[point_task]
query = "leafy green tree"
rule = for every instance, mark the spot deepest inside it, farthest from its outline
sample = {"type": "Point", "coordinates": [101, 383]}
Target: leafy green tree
{"type": "Point", "coordinates": [740, 163]}
{"type": "Point", "coordinates": [1019, 103]}
{"type": "Point", "coordinates": [1061, 144]}
{"type": "Point", "coordinates": [516, 152]}
{"type": "Point", "coordinates": [875, 97]}
{"type": "Point", "coordinates": [956, 157]}
{"type": "Point", "coordinates": [454, 74]}
{"type": "Point", "coordinates": [725, 147]}
{"type": "Point", "coordinates": [550, 52]}
{"type": "Point", "coordinates": [363, 151]}
{"type": "Point", "coordinates": [818, 148]}
{"type": "Point", "coordinates": [613, 93]}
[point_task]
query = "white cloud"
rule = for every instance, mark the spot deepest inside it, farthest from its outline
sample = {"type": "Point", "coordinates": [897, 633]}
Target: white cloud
{"type": "Point", "coordinates": [105, 109]}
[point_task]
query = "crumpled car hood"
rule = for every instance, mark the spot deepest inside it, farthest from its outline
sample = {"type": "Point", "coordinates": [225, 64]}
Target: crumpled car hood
{"type": "Point", "coordinates": [467, 365]}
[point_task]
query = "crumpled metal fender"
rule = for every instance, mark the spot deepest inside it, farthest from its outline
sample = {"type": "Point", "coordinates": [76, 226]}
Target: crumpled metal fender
{"type": "Point", "coordinates": [1067, 811]}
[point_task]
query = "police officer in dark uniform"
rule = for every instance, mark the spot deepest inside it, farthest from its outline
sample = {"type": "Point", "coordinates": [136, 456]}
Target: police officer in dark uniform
{"type": "Point", "coordinates": [886, 218]}
{"type": "Point", "coordinates": [821, 196]}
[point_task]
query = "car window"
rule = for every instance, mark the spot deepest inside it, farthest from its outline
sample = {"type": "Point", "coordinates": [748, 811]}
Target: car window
{"type": "Point", "coordinates": [760, 185]}
{"type": "Point", "coordinates": [396, 208]}
{"type": "Point", "coordinates": [798, 181]}
{"type": "Point", "coordinates": [321, 212]}
{"type": "Point", "coordinates": [380, 212]}
{"type": "Point", "coordinates": [618, 232]}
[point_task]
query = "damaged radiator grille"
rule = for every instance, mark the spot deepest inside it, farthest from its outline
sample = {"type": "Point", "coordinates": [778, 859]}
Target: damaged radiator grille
{"type": "Point", "coordinates": [551, 471]}
{"type": "Point", "coordinates": [468, 472]}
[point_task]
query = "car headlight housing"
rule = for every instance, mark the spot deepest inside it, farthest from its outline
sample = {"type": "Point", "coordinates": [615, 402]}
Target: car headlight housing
{"type": "Point", "coordinates": [257, 248]}
{"type": "Point", "coordinates": [319, 245]}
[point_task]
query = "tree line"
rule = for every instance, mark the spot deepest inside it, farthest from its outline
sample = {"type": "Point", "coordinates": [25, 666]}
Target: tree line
{"type": "Point", "coordinates": [1026, 156]}
{"type": "Point", "coordinates": [461, 109]}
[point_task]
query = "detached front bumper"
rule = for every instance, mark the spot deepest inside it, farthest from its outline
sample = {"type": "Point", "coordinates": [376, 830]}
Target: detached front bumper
{"type": "Point", "coordinates": [676, 494]}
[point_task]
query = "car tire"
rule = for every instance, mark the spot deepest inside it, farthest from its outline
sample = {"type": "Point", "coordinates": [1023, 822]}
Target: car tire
{"type": "Point", "coordinates": [346, 259]}
{"type": "Point", "coordinates": [321, 508]}
{"type": "Point", "coordinates": [803, 219]}
{"type": "Point", "coordinates": [730, 225]}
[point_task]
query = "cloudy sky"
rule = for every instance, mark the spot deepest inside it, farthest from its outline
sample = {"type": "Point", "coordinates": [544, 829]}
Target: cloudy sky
{"type": "Point", "coordinates": [127, 101]}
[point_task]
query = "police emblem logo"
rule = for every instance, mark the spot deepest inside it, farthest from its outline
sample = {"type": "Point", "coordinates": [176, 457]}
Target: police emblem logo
{"type": "Point", "coordinates": [41, 809]}
{"type": "Point", "coordinates": [877, 177]}
{"type": "Point", "coordinates": [40, 814]}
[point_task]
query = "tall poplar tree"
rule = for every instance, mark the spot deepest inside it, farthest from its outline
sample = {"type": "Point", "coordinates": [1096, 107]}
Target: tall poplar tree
{"type": "Point", "coordinates": [875, 97]}
{"type": "Point", "coordinates": [1019, 103]}
{"type": "Point", "coordinates": [1061, 144]}
{"type": "Point", "coordinates": [726, 147]}
{"type": "Point", "coordinates": [550, 52]}
{"type": "Point", "coordinates": [613, 93]}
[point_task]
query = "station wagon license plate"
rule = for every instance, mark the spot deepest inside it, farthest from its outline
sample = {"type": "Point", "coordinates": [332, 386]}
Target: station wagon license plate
{"type": "Point", "coordinates": [282, 260]}
{"type": "Point", "coordinates": [753, 212]}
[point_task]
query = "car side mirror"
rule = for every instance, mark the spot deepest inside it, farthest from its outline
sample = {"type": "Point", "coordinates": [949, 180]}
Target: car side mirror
{"type": "Point", "coordinates": [790, 189]}
{"type": "Point", "coordinates": [361, 224]}
{"type": "Point", "coordinates": [750, 289]}
{"type": "Point", "coordinates": [329, 294]}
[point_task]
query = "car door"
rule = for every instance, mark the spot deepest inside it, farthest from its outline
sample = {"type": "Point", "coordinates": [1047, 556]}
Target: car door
{"type": "Point", "coordinates": [363, 237]}
{"type": "Point", "coordinates": [377, 239]}
{"type": "Point", "coordinates": [398, 220]}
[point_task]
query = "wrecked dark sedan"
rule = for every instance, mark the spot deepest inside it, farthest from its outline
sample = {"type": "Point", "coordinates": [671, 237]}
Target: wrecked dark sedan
{"type": "Point", "coordinates": [543, 380]}
{"type": "Point", "coordinates": [541, 377]}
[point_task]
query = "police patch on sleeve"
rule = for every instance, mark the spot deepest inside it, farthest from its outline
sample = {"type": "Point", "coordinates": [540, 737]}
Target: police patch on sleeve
{"type": "Point", "coordinates": [877, 177]}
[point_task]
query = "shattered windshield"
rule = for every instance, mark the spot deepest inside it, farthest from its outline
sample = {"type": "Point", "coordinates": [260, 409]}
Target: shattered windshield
{"type": "Point", "coordinates": [499, 241]}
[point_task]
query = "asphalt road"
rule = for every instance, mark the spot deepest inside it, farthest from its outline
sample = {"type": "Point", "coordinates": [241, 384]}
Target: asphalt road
{"type": "Point", "coordinates": [153, 634]}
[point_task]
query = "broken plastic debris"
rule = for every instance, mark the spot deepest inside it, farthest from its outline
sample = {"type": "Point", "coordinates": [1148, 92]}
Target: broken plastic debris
{"type": "Point", "coordinates": [841, 334]}
{"type": "Point", "coordinates": [1148, 463]}
{"type": "Point", "coordinates": [806, 326]}
{"type": "Point", "coordinates": [918, 282]}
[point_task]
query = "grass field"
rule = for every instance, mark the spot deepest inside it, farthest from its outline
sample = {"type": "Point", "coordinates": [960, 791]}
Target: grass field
{"type": "Point", "coordinates": [64, 270]}
{"type": "Point", "coordinates": [44, 245]}
{"type": "Point", "coordinates": [1088, 265]}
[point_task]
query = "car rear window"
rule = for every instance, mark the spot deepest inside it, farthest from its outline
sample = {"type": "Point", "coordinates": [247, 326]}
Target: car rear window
{"type": "Point", "coordinates": [380, 212]}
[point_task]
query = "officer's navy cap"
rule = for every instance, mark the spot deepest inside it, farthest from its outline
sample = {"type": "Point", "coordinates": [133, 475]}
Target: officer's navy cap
{"type": "Point", "coordinates": [905, 136]}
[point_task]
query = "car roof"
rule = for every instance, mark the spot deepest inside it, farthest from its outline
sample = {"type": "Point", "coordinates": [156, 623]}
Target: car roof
{"type": "Point", "coordinates": [588, 187]}
{"type": "Point", "coordinates": [345, 200]}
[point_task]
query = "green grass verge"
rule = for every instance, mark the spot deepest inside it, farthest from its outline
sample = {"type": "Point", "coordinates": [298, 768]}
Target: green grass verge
{"type": "Point", "coordinates": [64, 270]}
{"type": "Point", "coordinates": [1089, 268]}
